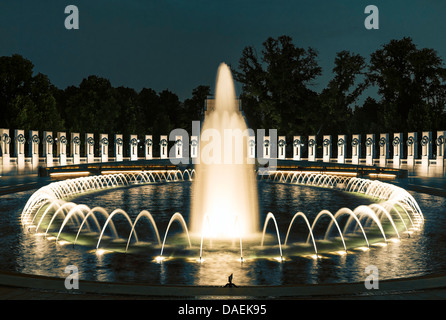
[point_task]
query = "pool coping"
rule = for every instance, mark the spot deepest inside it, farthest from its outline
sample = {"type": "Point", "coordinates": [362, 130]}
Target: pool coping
{"type": "Point", "coordinates": [38, 286]}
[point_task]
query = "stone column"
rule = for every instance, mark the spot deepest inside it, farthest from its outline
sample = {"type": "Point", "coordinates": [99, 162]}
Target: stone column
{"type": "Point", "coordinates": [133, 147]}
{"type": "Point", "coordinates": [103, 147]}
{"type": "Point", "coordinates": [326, 148]}
{"type": "Point", "coordinates": [297, 148]}
{"type": "Point", "coordinates": [48, 142]}
{"type": "Point", "coordinates": [163, 147]}
{"type": "Point", "coordinates": [148, 145]}
{"type": "Point", "coordinates": [34, 142]}
{"type": "Point", "coordinates": [383, 149]}
{"type": "Point", "coordinates": [76, 147]}
{"type": "Point", "coordinates": [178, 146]}
{"type": "Point", "coordinates": [356, 148]}
{"type": "Point", "coordinates": [342, 147]}
{"type": "Point", "coordinates": [62, 142]}
{"type": "Point", "coordinates": [281, 147]}
{"type": "Point", "coordinates": [370, 149]}
{"type": "Point", "coordinates": [397, 145]}
{"type": "Point", "coordinates": [251, 147]}
{"type": "Point", "coordinates": [89, 147]}
{"type": "Point", "coordinates": [266, 147]}
{"type": "Point", "coordinates": [5, 141]}
{"type": "Point", "coordinates": [440, 144]}
{"type": "Point", "coordinates": [19, 150]}
{"type": "Point", "coordinates": [412, 148]}
{"type": "Point", "coordinates": [119, 148]}
{"type": "Point", "coordinates": [426, 148]}
{"type": "Point", "coordinates": [312, 148]}
{"type": "Point", "coordinates": [194, 147]}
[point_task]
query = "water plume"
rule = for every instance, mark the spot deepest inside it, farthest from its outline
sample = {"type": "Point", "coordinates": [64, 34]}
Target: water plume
{"type": "Point", "coordinates": [225, 189]}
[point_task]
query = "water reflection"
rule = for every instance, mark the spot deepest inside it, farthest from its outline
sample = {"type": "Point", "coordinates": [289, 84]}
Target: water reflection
{"type": "Point", "coordinates": [16, 170]}
{"type": "Point", "coordinates": [424, 252]}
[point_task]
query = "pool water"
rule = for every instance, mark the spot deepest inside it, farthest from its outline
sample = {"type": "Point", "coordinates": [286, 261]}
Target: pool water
{"type": "Point", "coordinates": [23, 251]}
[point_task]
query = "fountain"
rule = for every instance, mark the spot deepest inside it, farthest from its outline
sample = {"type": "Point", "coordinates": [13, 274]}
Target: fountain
{"type": "Point", "coordinates": [224, 213]}
{"type": "Point", "coordinates": [396, 213]}
{"type": "Point", "coordinates": [225, 192]}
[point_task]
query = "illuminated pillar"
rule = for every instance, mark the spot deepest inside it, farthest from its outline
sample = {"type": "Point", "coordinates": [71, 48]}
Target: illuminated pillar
{"type": "Point", "coordinates": [251, 147]}
{"type": "Point", "coordinates": [148, 144]}
{"type": "Point", "coordinates": [326, 149]}
{"type": "Point", "coordinates": [297, 148]}
{"type": "Point", "coordinates": [34, 141]}
{"type": "Point", "coordinates": [426, 148]}
{"type": "Point", "coordinates": [266, 147]}
{"type": "Point", "coordinates": [342, 147]}
{"type": "Point", "coordinates": [5, 140]}
{"type": "Point", "coordinates": [19, 150]}
{"type": "Point", "coordinates": [133, 147]}
{"type": "Point", "coordinates": [356, 148]}
{"type": "Point", "coordinates": [62, 142]}
{"type": "Point", "coordinates": [119, 150]}
{"type": "Point", "coordinates": [163, 147]}
{"type": "Point", "coordinates": [103, 147]}
{"type": "Point", "coordinates": [397, 145]}
{"type": "Point", "coordinates": [369, 149]}
{"type": "Point", "coordinates": [412, 148]}
{"type": "Point", "coordinates": [383, 149]}
{"type": "Point", "coordinates": [312, 148]}
{"type": "Point", "coordinates": [76, 147]}
{"type": "Point", "coordinates": [281, 145]}
{"type": "Point", "coordinates": [178, 146]}
{"type": "Point", "coordinates": [89, 147]}
{"type": "Point", "coordinates": [440, 143]}
{"type": "Point", "coordinates": [48, 142]}
{"type": "Point", "coordinates": [194, 147]}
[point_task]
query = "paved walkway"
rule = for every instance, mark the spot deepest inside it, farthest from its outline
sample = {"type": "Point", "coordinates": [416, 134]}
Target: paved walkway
{"type": "Point", "coordinates": [20, 286]}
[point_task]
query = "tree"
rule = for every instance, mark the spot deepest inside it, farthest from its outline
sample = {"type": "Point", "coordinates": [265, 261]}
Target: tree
{"type": "Point", "coordinates": [171, 105]}
{"type": "Point", "coordinates": [411, 83]}
{"type": "Point", "coordinates": [275, 86]}
{"type": "Point", "coordinates": [15, 80]}
{"type": "Point", "coordinates": [48, 115]}
{"type": "Point", "coordinates": [193, 107]}
{"type": "Point", "coordinates": [342, 92]}
{"type": "Point", "coordinates": [27, 102]}
{"type": "Point", "coordinates": [93, 107]}
{"type": "Point", "coordinates": [130, 118]}
{"type": "Point", "coordinates": [366, 118]}
{"type": "Point", "coordinates": [148, 100]}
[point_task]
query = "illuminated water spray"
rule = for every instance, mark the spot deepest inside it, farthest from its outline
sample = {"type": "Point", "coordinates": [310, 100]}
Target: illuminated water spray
{"type": "Point", "coordinates": [224, 200]}
{"type": "Point", "coordinates": [225, 203]}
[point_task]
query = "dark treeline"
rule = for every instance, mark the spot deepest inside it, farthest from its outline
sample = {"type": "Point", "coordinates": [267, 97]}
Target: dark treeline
{"type": "Point", "coordinates": [31, 102]}
{"type": "Point", "coordinates": [277, 92]}
{"type": "Point", "coordinates": [277, 89]}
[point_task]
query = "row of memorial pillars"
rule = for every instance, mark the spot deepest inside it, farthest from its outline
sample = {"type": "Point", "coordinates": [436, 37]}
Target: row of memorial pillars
{"type": "Point", "coordinates": [383, 140]}
{"type": "Point", "coordinates": [75, 146]}
{"type": "Point", "coordinates": [104, 147]}
{"type": "Point", "coordinates": [61, 142]}
{"type": "Point", "coordinates": [385, 144]}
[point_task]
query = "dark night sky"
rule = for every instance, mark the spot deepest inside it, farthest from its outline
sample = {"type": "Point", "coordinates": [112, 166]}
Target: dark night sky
{"type": "Point", "coordinates": [178, 45]}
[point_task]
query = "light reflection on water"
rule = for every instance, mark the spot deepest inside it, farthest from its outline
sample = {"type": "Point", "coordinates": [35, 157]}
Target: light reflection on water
{"type": "Point", "coordinates": [421, 254]}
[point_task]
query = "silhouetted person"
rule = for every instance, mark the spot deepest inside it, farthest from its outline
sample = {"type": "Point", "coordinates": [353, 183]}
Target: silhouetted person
{"type": "Point", "coordinates": [230, 284]}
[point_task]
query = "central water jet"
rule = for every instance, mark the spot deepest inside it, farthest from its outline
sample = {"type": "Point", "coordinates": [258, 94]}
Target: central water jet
{"type": "Point", "coordinates": [224, 203]}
